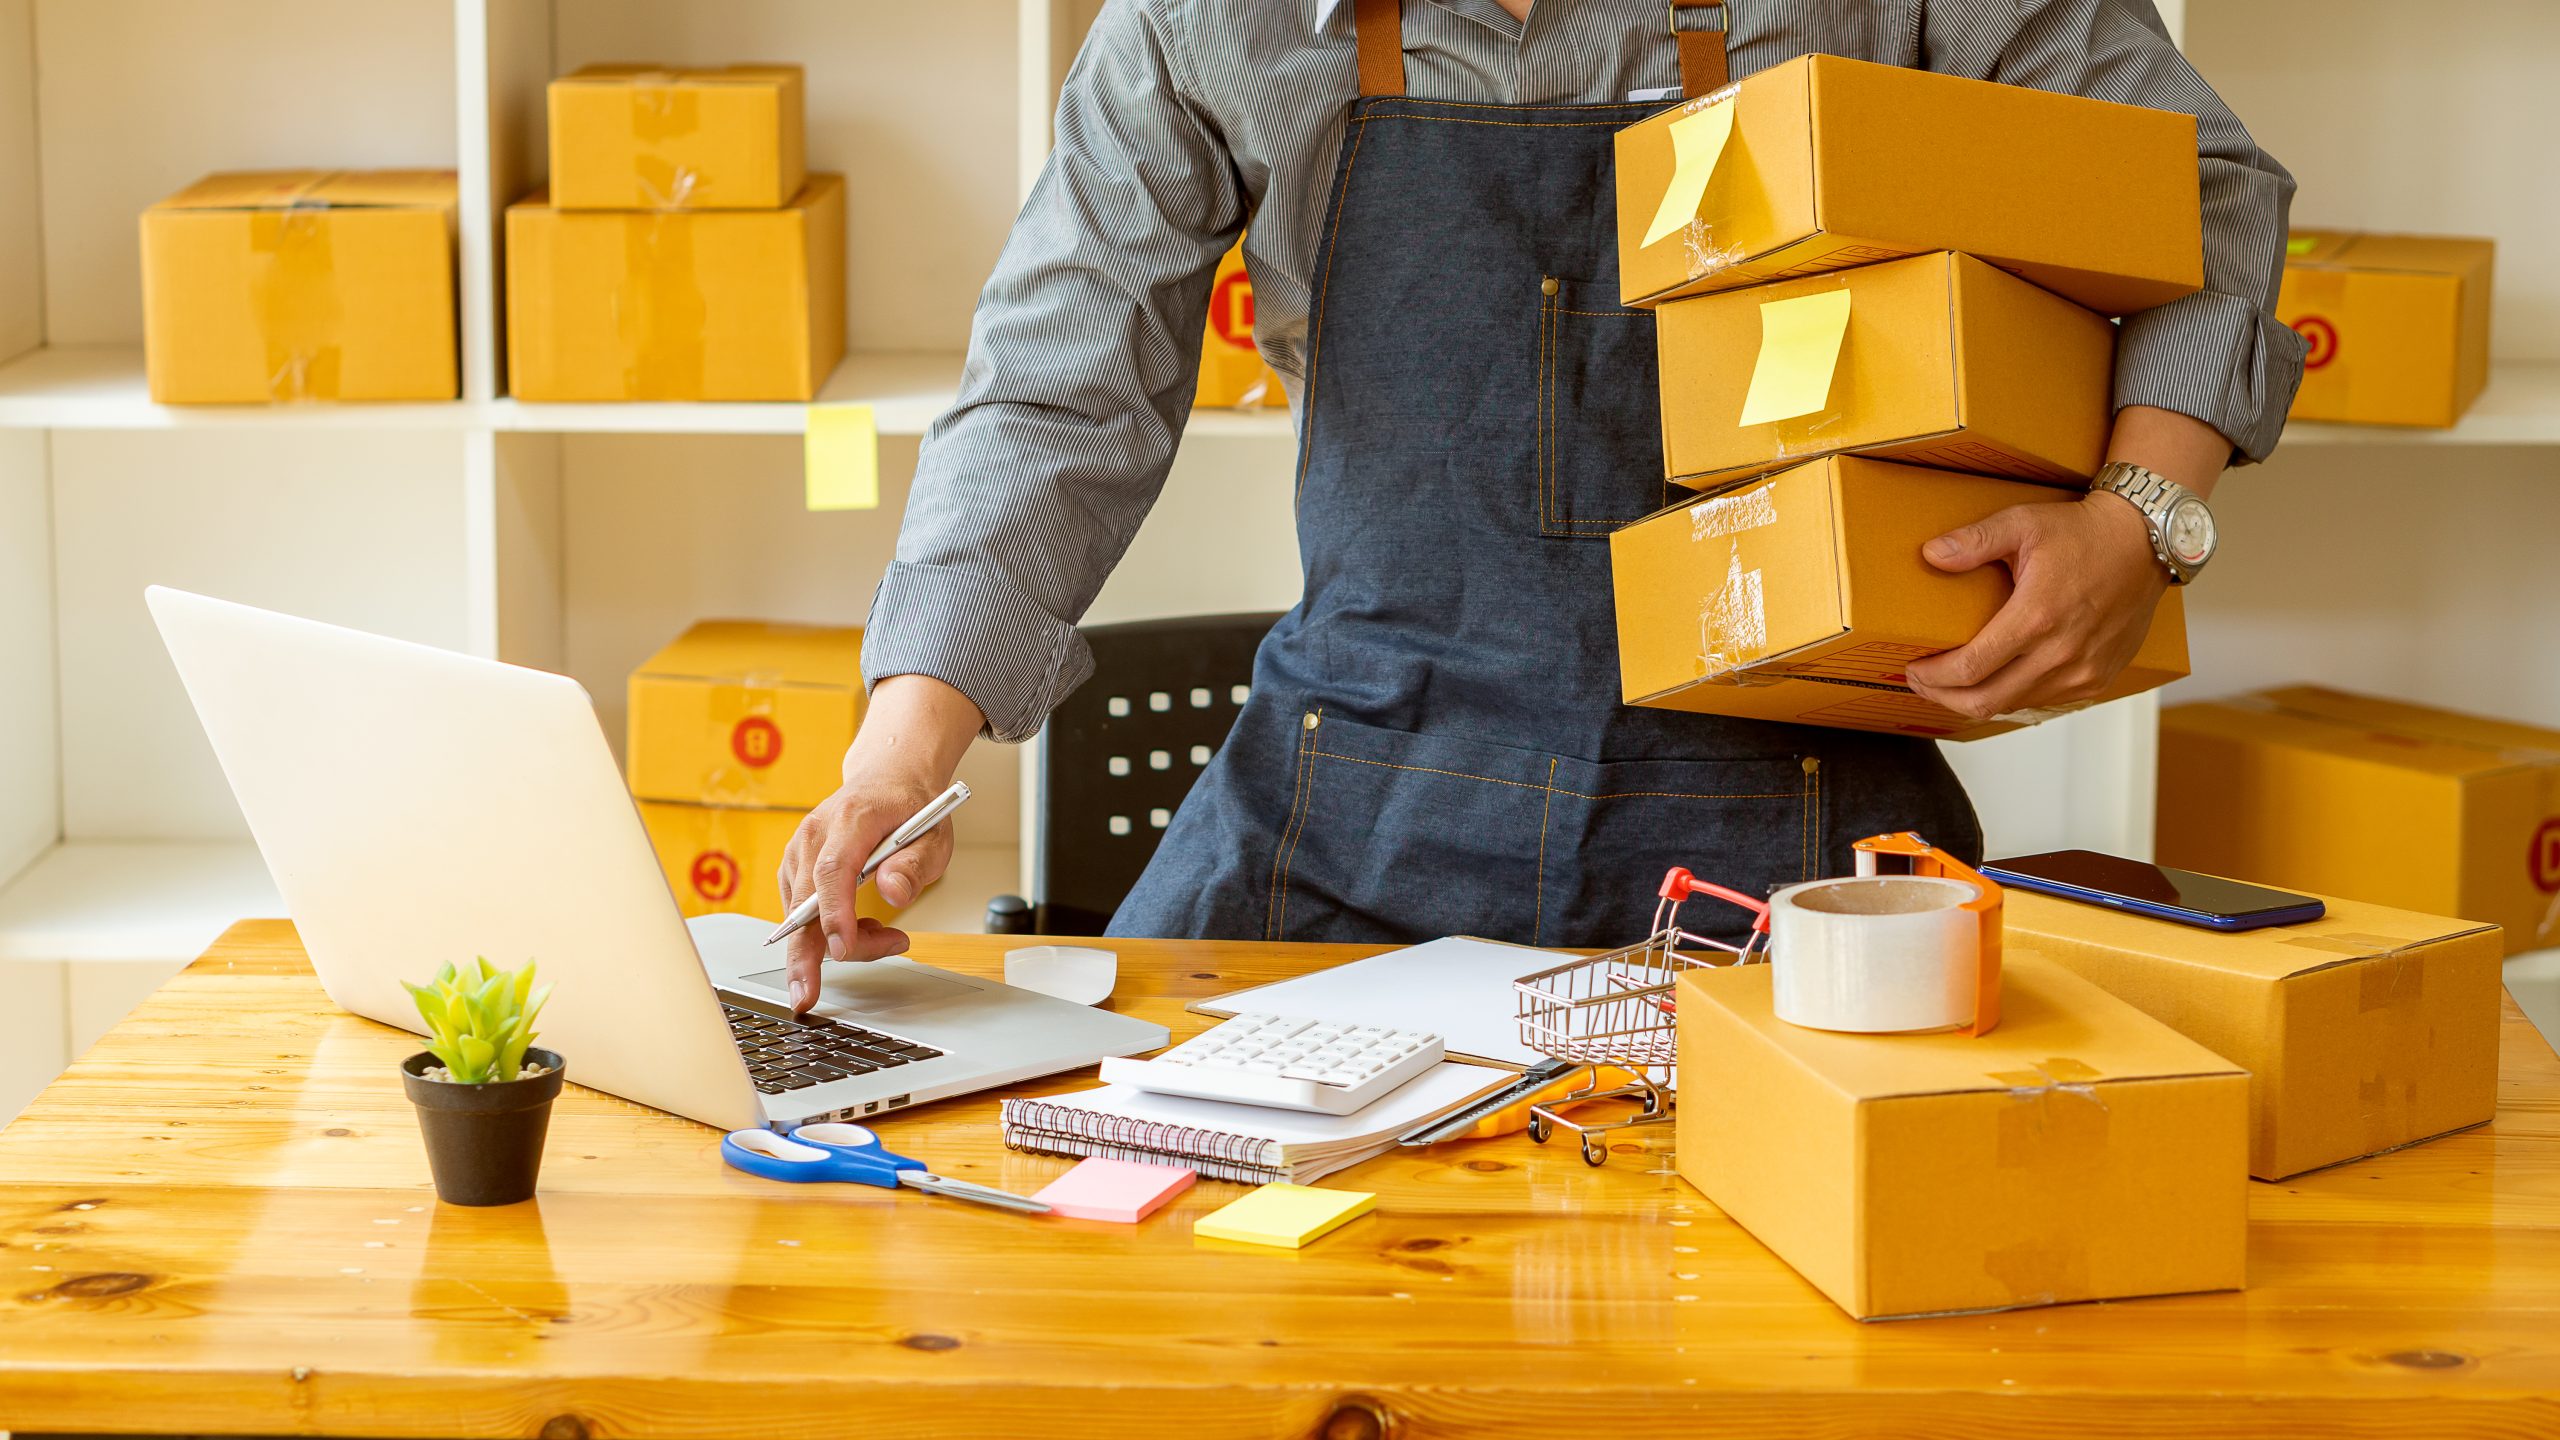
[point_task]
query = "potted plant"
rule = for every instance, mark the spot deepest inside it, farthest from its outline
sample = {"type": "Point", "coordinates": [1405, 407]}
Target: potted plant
{"type": "Point", "coordinates": [483, 1092]}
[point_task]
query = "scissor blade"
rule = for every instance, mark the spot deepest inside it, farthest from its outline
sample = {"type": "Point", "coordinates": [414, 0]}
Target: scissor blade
{"type": "Point", "coordinates": [975, 1194]}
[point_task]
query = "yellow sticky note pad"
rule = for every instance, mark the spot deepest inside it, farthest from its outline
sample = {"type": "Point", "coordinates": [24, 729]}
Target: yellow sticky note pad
{"type": "Point", "coordinates": [1697, 143]}
{"type": "Point", "coordinates": [841, 464]}
{"type": "Point", "coordinates": [1283, 1215]}
{"type": "Point", "coordinates": [1799, 351]}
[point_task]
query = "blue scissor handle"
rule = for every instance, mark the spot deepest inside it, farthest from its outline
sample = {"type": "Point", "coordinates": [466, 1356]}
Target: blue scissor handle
{"type": "Point", "coordinates": [849, 1154]}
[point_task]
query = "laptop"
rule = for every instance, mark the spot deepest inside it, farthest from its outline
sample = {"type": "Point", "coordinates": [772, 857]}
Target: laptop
{"type": "Point", "coordinates": [417, 807]}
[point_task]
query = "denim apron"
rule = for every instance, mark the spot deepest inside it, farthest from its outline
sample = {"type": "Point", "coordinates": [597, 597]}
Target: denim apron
{"type": "Point", "coordinates": [1434, 744]}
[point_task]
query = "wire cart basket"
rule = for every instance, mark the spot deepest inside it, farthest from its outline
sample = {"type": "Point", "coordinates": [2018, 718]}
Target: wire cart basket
{"type": "Point", "coordinates": [1614, 1012]}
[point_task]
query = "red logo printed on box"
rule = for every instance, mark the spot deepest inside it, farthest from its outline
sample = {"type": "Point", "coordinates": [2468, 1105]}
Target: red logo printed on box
{"type": "Point", "coordinates": [756, 741]}
{"type": "Point", "coordinates": [1231, 310]}
{"type": "Point", "coordinates": [714, 876]}
{"type": "Point", "coordinates": [2322, 337]}
{"type": "Point", "coordinates": [2544, 859]}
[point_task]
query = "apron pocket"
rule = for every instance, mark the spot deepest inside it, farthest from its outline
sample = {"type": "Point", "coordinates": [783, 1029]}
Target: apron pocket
{"type": "Point", "coordinates": [1599, 413]}
{"type": "Point", "coordinates": [1614, 829]}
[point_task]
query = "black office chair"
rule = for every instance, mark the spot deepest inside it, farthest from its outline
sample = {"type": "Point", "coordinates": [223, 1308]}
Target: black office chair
{"type": "Point", "coordinates": [1117, 758]}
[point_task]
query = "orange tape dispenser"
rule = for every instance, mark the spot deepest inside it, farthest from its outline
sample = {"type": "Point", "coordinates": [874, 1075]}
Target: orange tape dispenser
{"type": "Point", "coordinates": [1906, 853]}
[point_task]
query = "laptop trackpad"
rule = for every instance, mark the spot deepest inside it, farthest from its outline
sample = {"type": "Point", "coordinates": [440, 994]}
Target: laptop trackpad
{"type": "Point", "coordinates": [870, 989]}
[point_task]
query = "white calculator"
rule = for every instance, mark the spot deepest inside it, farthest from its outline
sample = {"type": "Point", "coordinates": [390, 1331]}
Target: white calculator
{"type": "Point", "coordinates": [1285, 1063]}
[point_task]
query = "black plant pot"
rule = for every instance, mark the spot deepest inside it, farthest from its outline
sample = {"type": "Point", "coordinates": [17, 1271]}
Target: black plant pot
{"type": "Point", "coordinates": [484, 1142]}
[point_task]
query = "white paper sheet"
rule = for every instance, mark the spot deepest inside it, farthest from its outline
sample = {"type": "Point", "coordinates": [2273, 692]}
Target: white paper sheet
{"type": "Point", "coordinates": [1458, 988]}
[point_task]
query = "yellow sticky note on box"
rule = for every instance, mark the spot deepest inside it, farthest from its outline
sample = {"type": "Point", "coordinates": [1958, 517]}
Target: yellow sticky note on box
{"type": "Point", "coordinates": [1697, 143]}
{"type": "Point", "coordinates": [1285, 1216]}
{"type": "Point", "coordinates": [841, 461]}
{"type": "Point", "coordinates": [1799, 350]}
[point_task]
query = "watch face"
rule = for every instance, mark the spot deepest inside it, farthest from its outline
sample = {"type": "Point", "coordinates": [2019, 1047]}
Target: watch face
{"type": "Point", "coordinates": [2189, 535]}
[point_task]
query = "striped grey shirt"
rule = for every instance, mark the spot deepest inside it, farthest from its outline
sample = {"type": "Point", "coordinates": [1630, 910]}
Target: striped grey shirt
{"type": "Point", "coordinates": [1183, 119]}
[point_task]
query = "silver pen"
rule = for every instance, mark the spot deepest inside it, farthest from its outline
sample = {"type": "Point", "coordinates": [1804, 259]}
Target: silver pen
{"type": "Point", "coordinates": [934, 813]}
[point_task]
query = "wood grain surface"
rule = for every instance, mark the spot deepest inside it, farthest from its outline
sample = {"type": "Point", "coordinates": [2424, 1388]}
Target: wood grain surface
{"type": "Point", "coordinates": [219, 1221]}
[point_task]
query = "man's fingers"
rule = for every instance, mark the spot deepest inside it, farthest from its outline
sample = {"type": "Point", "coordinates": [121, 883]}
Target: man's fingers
{"type": "Point", "coordinates": [805, 949]}
{"type": "Point", "coordinates": [1970, 547]}
{"type": "Point", "coordinates": [904, 875]}
{"type": "Point", "coordinates": [2010, 688]}
{"type": "Point", "coordinates": [2017, 625]}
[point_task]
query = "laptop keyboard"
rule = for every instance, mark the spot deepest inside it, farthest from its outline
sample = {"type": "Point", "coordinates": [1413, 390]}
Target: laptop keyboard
{"type": "Point", "coordinates": [787, 1053]}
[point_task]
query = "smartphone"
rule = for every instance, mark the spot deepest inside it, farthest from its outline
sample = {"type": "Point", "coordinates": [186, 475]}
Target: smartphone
{"type": "Point", "coordinates": [2181, 896]}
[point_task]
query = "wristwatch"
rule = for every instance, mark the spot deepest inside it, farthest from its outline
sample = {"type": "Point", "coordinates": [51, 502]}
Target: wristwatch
{"type": "Point", "coordinates": [2182, 530]}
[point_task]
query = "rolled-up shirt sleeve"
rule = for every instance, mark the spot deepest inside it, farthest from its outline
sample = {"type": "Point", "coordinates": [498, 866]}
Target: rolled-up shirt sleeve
{"type": "Point", "coordinates": [1082, 360]}
{"type": "Point", "coordinates": [2218, 355]}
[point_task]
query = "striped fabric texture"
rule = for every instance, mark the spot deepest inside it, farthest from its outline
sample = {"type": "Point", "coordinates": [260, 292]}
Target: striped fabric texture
{"type": "Point", "coordinates": [1183, 121]}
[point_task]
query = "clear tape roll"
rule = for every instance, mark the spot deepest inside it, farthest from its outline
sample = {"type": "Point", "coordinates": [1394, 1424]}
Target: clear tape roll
{"type": "Point", "coordinates": [1875, 954]}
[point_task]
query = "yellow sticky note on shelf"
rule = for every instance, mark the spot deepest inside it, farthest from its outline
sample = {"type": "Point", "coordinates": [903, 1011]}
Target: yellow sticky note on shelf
{"type": "Point", "coordinates": [1697, 143]}
{"type": "Point", "coordinates": [841, 462]}
{"type": "Point", "coordinates": [1799, 351]}
{"type": "Point", "coordinates": [1285, 1216]}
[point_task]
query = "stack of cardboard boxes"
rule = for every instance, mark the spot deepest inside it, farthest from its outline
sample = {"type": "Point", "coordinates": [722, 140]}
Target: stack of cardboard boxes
{"type": "Point", "coordinates": [1858, 271]}
{"type": "Point", "coordinates": [736, 729]}
{"type": "Point", "coordinates": [682, 251]}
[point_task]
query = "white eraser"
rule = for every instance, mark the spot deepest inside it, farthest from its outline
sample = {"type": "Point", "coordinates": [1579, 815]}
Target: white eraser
{"type": "Point", "coordinates": [1073, 973]}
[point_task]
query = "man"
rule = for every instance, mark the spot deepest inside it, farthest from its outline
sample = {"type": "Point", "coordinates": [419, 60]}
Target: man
{"type": "Point", "coordinates": [1433, 742]}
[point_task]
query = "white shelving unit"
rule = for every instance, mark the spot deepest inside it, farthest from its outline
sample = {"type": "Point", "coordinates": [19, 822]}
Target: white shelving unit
{"type": "Point", "coordinates": [579, 537]}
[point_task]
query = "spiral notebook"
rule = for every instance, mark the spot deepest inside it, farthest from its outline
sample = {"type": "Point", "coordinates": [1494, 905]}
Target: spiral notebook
{"type": "Point", "coordinates": [1250, 1144]}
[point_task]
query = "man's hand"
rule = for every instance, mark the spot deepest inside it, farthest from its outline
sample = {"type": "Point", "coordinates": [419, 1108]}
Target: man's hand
{"type": "Point", "coordinates": [913, 734]}
{"type": "Point", "coordinates": [2087, 582]}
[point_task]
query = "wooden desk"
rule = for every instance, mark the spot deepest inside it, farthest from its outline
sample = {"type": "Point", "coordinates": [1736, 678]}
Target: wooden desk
{"type": "Point", "coordinates": [220, 1221]}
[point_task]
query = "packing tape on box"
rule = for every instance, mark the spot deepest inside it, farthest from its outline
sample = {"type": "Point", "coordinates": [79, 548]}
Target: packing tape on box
{"type": "Point", "coordinates": [1875, 954]}
{"type": "Point", "coordinates": [663, 317]}
{"type": "Point", "coordinates": [293, 290]}
{"type": "Point", "coordinates": [1733, 621]}
{"type": "Point", "coordinates": [746, 749]}
{"type": "Point", "coordinates": [662, 109]}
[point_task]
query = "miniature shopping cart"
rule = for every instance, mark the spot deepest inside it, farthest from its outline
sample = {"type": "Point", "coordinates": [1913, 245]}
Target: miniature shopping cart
{"type": "Point", "coordinates": [1614, 1013]}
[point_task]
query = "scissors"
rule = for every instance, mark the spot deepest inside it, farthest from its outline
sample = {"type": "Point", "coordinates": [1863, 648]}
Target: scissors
{"type": "Point", "coordinates": [853, 1155]}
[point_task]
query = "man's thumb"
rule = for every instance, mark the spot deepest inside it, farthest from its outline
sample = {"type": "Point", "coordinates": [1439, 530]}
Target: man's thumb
{"type": "Point", "coordinates": [1969, 547]}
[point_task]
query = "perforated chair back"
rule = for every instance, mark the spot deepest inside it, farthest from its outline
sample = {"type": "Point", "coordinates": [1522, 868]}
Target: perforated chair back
{"type": "Point", "coordinates": [1119, 755]}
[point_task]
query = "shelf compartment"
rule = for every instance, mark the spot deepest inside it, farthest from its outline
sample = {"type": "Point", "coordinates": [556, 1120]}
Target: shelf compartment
{"type": "Point", "coordinates": [91, 900]}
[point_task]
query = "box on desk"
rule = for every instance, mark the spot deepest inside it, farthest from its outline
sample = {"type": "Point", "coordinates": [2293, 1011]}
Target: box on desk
{"type": "Point", "coordinates": [301, 285]}
{"type": "Point", "coordinates": [1803, 596]}
{"type": "Point", "coordinates": [1233, 374]}
{"type": "Point", "coordinates": [648, 137]}
{"type": "Point", "coordinates": [1823, 163]}
{"type": "Point", "coordinates": [2081, 1151]}
{"type": "Point", "coordinates": [724, 860]}
{"type": "Point", "coordinates": [2363, 1031]}
{"type": "Point", "coordinates": [2385, 801]}
{"type": "Point", "coordinates": [2396, 326]}
{"type": "Point", "coordinates": [1934, 360]}
{"type": "Point", "coordinates": [676, 304]}
{"type": "Point", "coordinates": [745, 712]}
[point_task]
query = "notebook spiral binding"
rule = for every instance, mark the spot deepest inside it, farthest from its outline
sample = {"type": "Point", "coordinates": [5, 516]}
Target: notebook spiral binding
{"type": "Point", "coordinates": [1126, 1133]}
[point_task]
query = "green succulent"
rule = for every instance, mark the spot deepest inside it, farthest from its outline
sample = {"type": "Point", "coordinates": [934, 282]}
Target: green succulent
{"type": "Point", "coordinates": [480, 1019]}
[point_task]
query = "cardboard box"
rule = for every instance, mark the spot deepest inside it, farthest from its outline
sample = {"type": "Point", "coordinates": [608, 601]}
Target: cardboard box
{"type": "Point", "coordinates": [740, 712]}
{"type": "Point", "coordinates": [2082, 1151]}
{"type": "Point", "coordinates": [1939, 360]}
{"type": "Point", "coordinates": [1801, 597]}
{"type": "Point", "coordinates": [648, 137]}
{"type": "Point", "coordinates": [2363, 1031]}
{"type": "Point", "coordinates": [2388, 802]}
{"type": "Point", "coordinates": [676, 304]}
{"type": "Point", "coordinates": [300, 285]}
{"type": "Point", "coordinates": [2397, 325]}
{"type": "Point", "coordinates": [1233, 374]}
{"type": "Point", "coordinates": [1830, 163]}
{"type": "Point", "coordinates": [722, 860]}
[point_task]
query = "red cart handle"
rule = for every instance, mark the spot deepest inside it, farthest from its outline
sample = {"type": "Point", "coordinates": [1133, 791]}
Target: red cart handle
{"type": "Point", "coordinates": [1679, 885]}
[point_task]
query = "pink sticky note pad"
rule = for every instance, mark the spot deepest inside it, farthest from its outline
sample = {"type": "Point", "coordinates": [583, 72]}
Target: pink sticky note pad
{"type": "Point", "coordinates": [1121, 1190]}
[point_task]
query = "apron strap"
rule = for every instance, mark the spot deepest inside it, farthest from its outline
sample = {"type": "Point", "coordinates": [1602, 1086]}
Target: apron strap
{"type": "Point", "coordinates": [1702, 61]}
{"type": "Point", "coordinates": [1380, 30]}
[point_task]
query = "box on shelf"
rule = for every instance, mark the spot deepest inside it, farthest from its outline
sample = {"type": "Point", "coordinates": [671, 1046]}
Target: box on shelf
{"type": "Point", "coordinates": [1935, 360]}
{"type": "Point", "coordinates": [2397, 326]}
{"type": "Point", "coordinates": [1822, 163]}
{"type": "Point", "coordinates": [2388, 802]}
{"type": "Point", "coordinates": [1803, 596]}
{"type": "Point", "coordinates": [2363, 1031]}
{"type": "Point", "coordinates": [724, 860]}
{"type": "Point", "coordinates": [271, 285]}
{"type": "Point", "coordinates": [651, 137]}
{"type": "Point", "coordinates": [676, 304]}
{"type": "Point", "coordinates": [745, 712]}
{"type": "Point", "coordinates": [1233, 374]}
{"type": "Point", "coordinates": [2082, 1151]}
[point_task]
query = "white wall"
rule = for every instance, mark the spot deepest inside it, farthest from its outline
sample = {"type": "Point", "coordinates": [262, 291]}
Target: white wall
{"type": "Point", "coordinates": [30, 794]}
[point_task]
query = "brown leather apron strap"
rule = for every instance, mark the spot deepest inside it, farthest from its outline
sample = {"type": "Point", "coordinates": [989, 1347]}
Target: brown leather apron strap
{"type": "Point", "coordinates": [1702, 63]}
{"type": "Point", "coordinates": [1380, 27]}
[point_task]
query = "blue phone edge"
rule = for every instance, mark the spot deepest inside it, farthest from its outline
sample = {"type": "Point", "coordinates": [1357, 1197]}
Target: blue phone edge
{"type": "Point", "coordinates": [2227, 924]}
